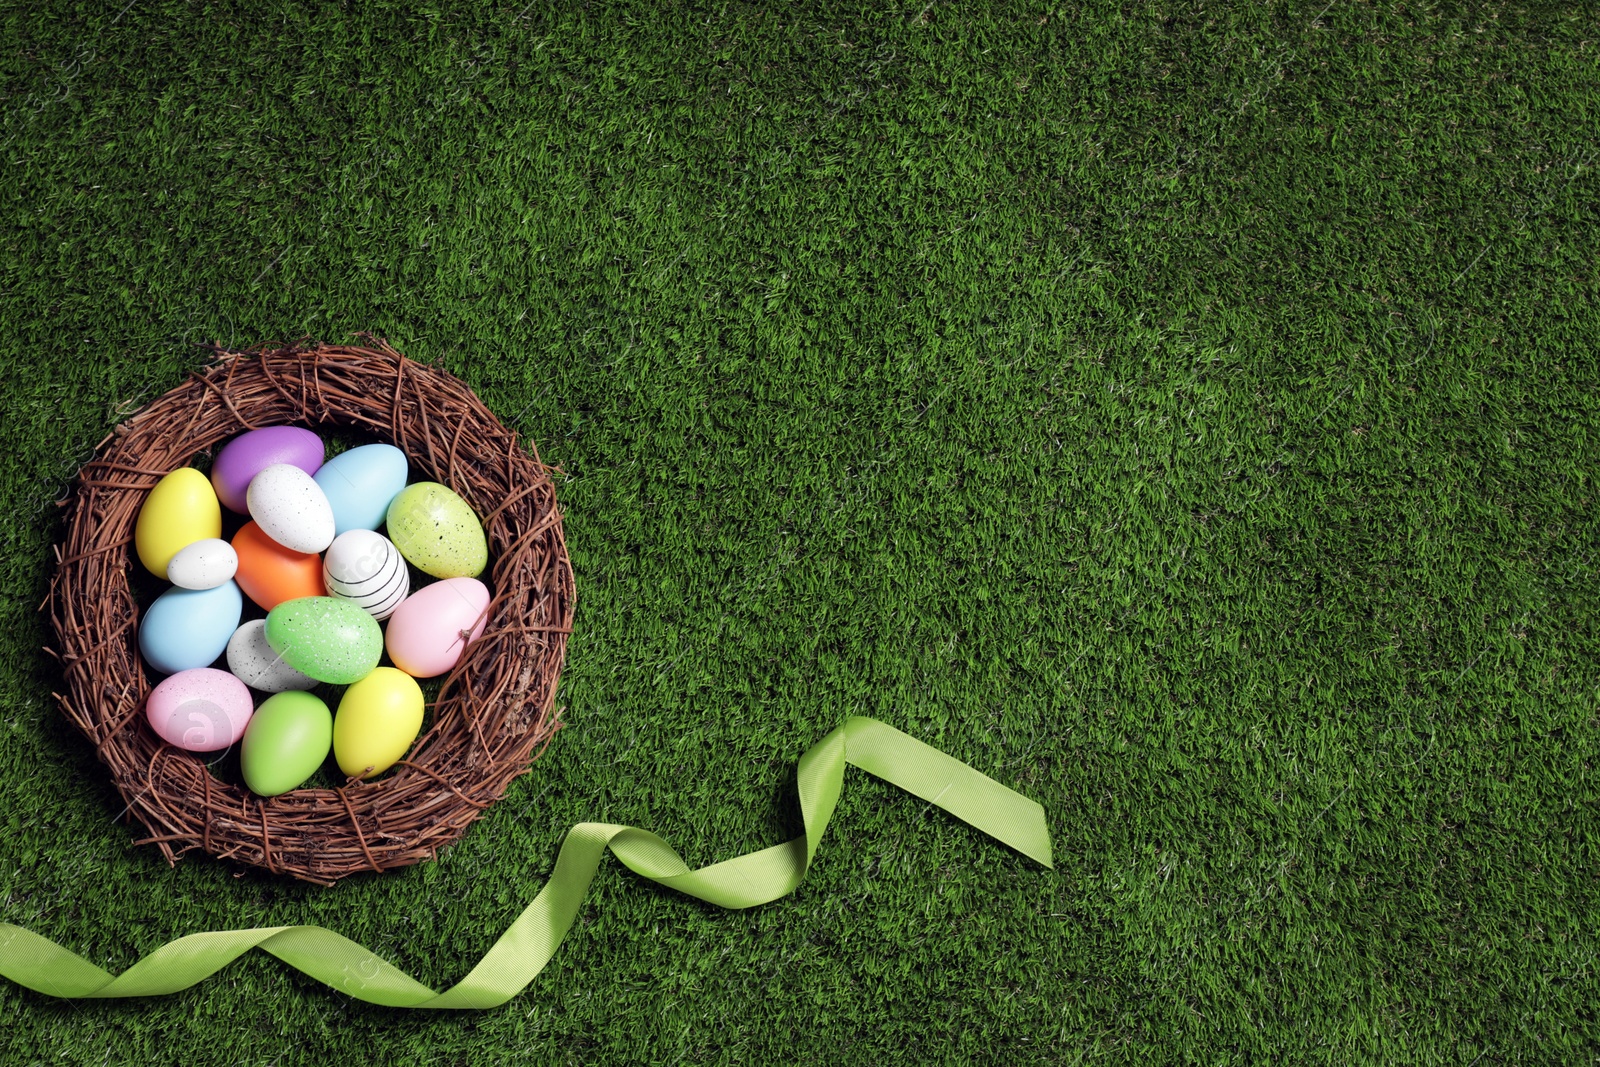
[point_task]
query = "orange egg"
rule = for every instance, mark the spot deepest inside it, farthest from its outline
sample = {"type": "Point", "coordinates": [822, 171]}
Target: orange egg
{"type": "Point", "coordinates": [269, 574]}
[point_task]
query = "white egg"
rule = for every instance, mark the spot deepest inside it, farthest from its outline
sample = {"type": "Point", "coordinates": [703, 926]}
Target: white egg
{"type": "Point", "coordinates": [291, 508]}
{"type": "Point", "coordinates": [203, 565]}
{"type": "Point", "coordinates": [252, 661]}
{"type": "Point", "coordinates": [365, 567]}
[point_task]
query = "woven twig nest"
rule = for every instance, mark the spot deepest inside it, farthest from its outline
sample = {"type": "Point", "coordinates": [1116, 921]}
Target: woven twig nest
{"type": "Point", "coordinates": [494, 711]}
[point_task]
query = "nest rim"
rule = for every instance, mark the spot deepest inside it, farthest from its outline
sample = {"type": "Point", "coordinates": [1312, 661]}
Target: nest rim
{"type": "Point", "coordinates": [495, 711]}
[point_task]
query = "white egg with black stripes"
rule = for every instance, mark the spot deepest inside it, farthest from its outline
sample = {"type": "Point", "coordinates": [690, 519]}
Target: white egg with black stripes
{"type": "Point", "coordinates": [364, 566]}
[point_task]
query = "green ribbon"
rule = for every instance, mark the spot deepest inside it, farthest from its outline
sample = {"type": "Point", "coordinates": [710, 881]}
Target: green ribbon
{"type": "Point", "coordinates": [521, 953]}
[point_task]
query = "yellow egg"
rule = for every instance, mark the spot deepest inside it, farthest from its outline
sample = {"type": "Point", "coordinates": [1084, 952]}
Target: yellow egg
{"type": "Point", "coordinates": [378, 719]}
{"type": "Point", "coordinates": [179, 511]}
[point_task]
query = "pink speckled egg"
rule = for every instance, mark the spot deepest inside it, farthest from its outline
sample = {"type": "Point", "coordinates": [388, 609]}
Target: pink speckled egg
{"type": "Point", "coordinates": [432, 627]}
{"type": "Point", "coordinates": [201, 709]}
{"type": "Point", "coordinates": [247, 455]}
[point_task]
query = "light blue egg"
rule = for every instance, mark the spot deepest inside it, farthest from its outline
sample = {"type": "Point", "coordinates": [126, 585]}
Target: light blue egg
{"type": "Point", "coordinates": [188, 628]}
{"type": "Point", "coordinates": [360, 484]}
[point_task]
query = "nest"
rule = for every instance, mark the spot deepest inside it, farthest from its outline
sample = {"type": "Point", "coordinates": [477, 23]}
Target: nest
{"type": "Point", "coordinates": [495, 711]}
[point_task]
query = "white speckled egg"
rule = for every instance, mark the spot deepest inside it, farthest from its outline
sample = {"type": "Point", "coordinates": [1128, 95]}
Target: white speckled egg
{"type": "Point", "coordinates": [203, 565]}
{"type": "Point", "coordinates": [253, 662]}
{"type": "Point", "coordinates": [365, 567]}
{"type": "Point", "coordinates": [291, 508]}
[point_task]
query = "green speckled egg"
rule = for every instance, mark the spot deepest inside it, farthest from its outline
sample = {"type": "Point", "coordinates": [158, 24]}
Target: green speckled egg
{"type": "Point", "coordinates": [328, 639]}
{"type": "Point", "coordinates": [436, 531]}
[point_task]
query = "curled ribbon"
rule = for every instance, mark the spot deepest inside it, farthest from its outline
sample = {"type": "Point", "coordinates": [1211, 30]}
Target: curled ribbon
{"type": "Point", "coordinates": [523, 950]}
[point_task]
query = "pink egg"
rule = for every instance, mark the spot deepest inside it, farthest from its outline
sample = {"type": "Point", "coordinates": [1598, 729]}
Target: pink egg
{"type": "Point", "coordinates": [201, 709]}
{"type": "Point", "coordinates": [432, 627]}
{"type": "Point", "coordinates": [247, 455]}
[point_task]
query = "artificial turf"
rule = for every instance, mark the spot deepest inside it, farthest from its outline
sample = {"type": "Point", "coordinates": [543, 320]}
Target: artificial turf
{"type": "Point", "coordinates": [1186, 415]}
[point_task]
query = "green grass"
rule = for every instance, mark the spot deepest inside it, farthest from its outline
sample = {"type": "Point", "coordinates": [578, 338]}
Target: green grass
{"type": "Point", "coordinates": [1187, 416]}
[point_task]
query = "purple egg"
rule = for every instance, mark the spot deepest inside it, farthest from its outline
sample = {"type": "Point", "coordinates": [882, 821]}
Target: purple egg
{"type": "Point", "coordinates": [251, 453]}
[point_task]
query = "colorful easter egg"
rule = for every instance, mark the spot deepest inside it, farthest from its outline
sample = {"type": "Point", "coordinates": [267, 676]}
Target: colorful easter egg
{"type": "Point", "coordinates": [364, 567]}
{"type": "Point", "coordinates": [291, 508]}
{"type": "Point", "coordinates": [288, 738]}
{"type": "Point", "coordinates": [331, 640]}
{"type": "Point", "coordinates": [361, 483]}
{"type": "Point", "coordinates": [187, 628]}
{"type": "Point", "coordinates": [203, 565]}
{"type": "Point", "coordinates": [253, 662]}
{"type": "Point", "coordinates": [251, 453]}
{"type": "Point", "coordinates": [432, 627]}
{"type": "Point", "coordinates": [269, 573]}
{"type": "Point", "coordinates": [201, 710]}
{"type": "Point", "coordinates": [379, 717]}
{"type": "Point", "coordinates": [437, 531]}
{"type": "Point", "coordinates": [179, 511]}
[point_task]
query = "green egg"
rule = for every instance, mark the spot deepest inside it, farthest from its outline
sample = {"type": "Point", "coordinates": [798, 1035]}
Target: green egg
{"type": "Point", "coordinates": [437, 532]}
{"type": "Point", "coordinates": [289, 736]}
{"type": "Point", "coordinates": [326, 638]}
